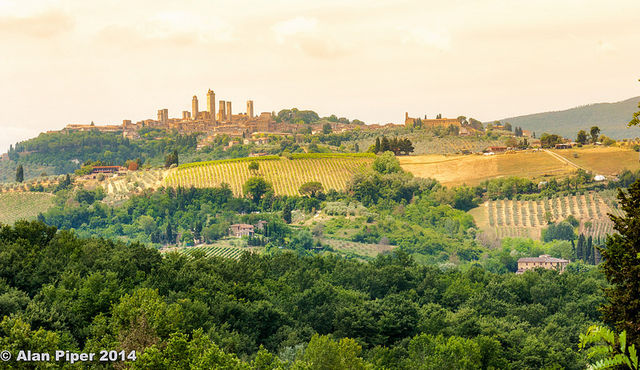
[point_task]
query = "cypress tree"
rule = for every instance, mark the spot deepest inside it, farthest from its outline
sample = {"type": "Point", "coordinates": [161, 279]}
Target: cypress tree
{"type": "Point", "coordinates": [621, 265]}
{"type": "Point", "coordinates": [286, 213]}
{"type": "Point", "coordinates": [19, 173]}
{"type": "Point", "coordinates": [169, 233]}
{"type": "Point", "coordinates": [376, 148]}
{"type": "Point", "coordinates": [580, 249]}
{"type": "Point", "coordinates": [384, 145]}
{"type": "Point", "coordinates": [590, 258]}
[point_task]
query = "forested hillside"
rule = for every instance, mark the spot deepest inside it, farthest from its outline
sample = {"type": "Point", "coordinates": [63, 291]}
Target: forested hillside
{"type": "Point", "coordinates": [612, 118]}
{"type": "Point", "coordinates": [58, 291]}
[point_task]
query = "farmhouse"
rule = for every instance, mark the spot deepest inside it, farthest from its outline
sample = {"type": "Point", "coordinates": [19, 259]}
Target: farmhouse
{"type": "Point", "coordinates": [240, 230]}
{"type": "Point", "coordinates": [564, 146]}
{"type": "Point", "coordinates": [545, 261]}
{"type": "Point", "coordinates": [105, 169]}
{"type": "Point", "coordinates": [497, 149]}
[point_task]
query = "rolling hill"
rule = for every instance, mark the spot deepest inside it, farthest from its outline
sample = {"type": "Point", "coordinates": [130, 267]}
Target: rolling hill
{"type": "Point", "coordinates": [333, 171]}
{"type": "Point", "coordinates": [612, 118]}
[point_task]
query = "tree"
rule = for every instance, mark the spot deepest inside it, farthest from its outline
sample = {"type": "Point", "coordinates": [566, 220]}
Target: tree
{"type": "Point", "coordinates": [376, 147]}
{"type": "Point", "coordinates": [326, 128]}
{"type": "Point", "coordinates": [311, 189]}
{"type": "Point", "coordinates": [169, 234]}
{"type": "Point", "coordinates": [561, 231]}
{"type": "Point", "coordinates": [476, 124]}
{"type": "Point", "coordinates": [256, 187]}
{"type": "Point", "coordinates": [582, 137]}
{"type": "Point", "coordinates": [286, 213]}
{"type": "Point", "coordinates": [635, 121]}
{"type": "Point", "coordinates": [386, 163]}
{"type": "Point", "coordinates": [19, 173]}
{"type": "Point", "coordinates": [171, 159]}
{"type": "Point", "coordinates": [254, 166]}
{"type": "Point", "coordinates": [607, 350]}
{"type": "Point", "coordinates": [507, 126]}
{"type": "Point", "coordinates": [550, 140]}
{"type": "Point", "coordinates": [324, 353]}
{"type": "Point", "coordinates": [595, 131]}
{"type": "Point", "coordinates": [384, 145]}
{"type": "Point", "coordinates": [621, 265]}
{"type": "Point", "coordinates": [580, 254]}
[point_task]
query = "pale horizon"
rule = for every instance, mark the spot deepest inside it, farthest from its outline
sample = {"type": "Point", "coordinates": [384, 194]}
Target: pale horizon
{"type": "Point", "coordinates": [72, 62]}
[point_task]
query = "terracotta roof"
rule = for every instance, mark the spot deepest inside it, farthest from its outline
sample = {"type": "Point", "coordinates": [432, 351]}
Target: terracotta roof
{"type": "Point", "coordinates": [543, 258]}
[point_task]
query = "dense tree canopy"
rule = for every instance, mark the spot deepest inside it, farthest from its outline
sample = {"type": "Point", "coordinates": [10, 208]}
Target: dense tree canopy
{"type": "Point", "coordinates": [58, 291]}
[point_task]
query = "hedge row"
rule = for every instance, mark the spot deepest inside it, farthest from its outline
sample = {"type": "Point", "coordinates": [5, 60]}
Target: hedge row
{"type": "Point", "coordinates": [233, 160]}
{"type": "Point", "coordinates": [332, 155]}
{"type": "Point", "coordinates": [275, 157]}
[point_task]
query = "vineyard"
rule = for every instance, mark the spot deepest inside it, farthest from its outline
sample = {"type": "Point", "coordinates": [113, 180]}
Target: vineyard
{"type": "Point", "coordinates": [215, 251]}
{"type": "Point", "coordinates": [286, 175]}
{"type": "Point", "coordinates": [23, 205]}
{"type": "Point", "coordinates": [520, 218]}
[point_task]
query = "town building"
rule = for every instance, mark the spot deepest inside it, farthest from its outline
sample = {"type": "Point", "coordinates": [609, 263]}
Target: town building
{"type": "Point", "coordinates": [240, 230]}
{"type": "Point", "coordinates": [105, 169]}
{"type": "Point", "coordinates": [545, 261]}
{"type": "Point", "coordinates": [430, 123]}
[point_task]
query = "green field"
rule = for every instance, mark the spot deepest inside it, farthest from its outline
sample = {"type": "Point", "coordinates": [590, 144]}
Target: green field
{"type": "Point", "coordinates": [286, 175]}
{"type": "Point", "coordinates": [23, 205]}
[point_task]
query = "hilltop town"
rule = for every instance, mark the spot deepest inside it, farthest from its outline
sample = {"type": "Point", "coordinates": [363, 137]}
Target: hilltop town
{"type": "Point", "coordinates": [219, 121]}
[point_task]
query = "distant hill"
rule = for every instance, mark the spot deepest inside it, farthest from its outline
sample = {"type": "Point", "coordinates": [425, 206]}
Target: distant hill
{"type": "Point", "coordinates": [612, 118]}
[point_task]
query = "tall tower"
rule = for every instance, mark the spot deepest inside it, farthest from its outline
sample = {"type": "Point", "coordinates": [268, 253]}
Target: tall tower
{"type": "Point", "coordinates": [211, 104]}
{"type": "Point", "coordinates": [229, 111]}
{"type": "Point", "coordinates": [194, 107]}
{"type": "Point", "coordinates": [163, 116]}
{"type": "Point", "coordinates": [250, 108]}
{"type": "Point", "coordinates": [222, 115]}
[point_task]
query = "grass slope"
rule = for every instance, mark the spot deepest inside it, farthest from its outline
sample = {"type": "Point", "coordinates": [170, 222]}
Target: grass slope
{"type": "Point", "coordinates": [602, 160]}
{"type": "Point", "coordinates": [612, 118]}
{"type": "Point", "coordinates": [286, 175]}
{"type": "Point", "coordinates": [23, 205]}
{"type": "Point", "coordinates": [473, 169]}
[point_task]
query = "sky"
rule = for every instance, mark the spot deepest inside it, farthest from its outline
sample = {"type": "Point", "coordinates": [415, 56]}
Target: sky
{"type": "Point", "coordinates": [104, 61]}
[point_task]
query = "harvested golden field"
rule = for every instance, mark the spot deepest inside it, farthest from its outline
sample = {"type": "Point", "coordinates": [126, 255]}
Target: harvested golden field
{"type": "Point", "coordinates": [456, 170]}
{"type": "Point", "coordinates": [602, 160]}
{"type": "Point", "coordinates": [26, 205]}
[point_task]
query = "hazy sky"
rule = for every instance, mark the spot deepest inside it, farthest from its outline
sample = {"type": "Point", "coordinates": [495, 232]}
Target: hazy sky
{"type": "Point", "coordinates": [80, 61]}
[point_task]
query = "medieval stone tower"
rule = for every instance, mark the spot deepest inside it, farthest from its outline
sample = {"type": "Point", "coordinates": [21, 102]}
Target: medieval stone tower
{"type": "Point", "coordinates": [211, 104]}
{"type": "Point", "coordinates": [229, 111]}
{"type": "Point", "coordinates": [194, 107]}
{"type": "Point", "coordinates": [250, 108]}
{"type": "Point", "coordinates": [222, 115]}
